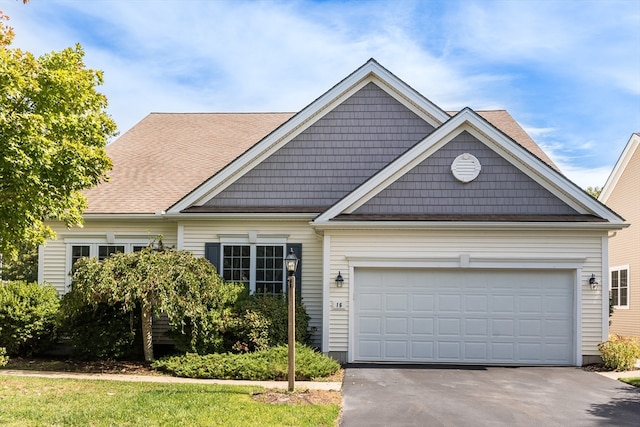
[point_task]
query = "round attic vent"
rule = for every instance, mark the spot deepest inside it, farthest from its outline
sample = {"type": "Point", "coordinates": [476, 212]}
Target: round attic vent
{"type": "Point", "coordinates": [466, 167]}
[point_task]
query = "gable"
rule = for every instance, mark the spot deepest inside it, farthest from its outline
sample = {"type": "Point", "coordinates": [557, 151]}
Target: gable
{"type": "Point", "coordinates": [519, 164]}
{"type": "Point", "coordinates": [623, 181]}
{"type": "Point", "coordinates": [431, 189]}
{"type": "Point", "coordinates": [329, 159]}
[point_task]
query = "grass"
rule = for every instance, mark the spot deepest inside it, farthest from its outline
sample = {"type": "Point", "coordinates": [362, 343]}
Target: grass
{"type": "Point", "coordinates": [632, 381]}
{"type": "Point", "coordinates": [38, 401]}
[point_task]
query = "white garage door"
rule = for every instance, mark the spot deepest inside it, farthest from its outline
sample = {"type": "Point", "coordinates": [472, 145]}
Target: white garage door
{"type": "Point", "coordinates": [522, 317]}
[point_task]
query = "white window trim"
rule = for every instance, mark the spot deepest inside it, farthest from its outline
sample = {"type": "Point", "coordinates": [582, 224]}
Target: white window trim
{"type": "Point", "coordinates": [253, 240]}
{"type": "Point", "coordinates": [94, 244]}
{"type": "Point", "coordinates": [618, 269]}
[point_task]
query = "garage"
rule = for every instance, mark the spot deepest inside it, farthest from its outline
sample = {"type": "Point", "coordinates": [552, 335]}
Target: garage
{"type": "Point", "coordinates": [469, 316]}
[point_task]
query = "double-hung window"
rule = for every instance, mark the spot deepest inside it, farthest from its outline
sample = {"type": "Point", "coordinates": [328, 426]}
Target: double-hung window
{"type": "Point", "coordinates": [259, 266]}
{"type": "Point", "coordinates": [99, 248]}
{"type": "Point", "coordinates": [620, 286]}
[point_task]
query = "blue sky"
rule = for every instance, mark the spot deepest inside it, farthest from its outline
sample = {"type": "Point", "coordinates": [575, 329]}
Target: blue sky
{"type": "Point", "coordinates": [568, 71]}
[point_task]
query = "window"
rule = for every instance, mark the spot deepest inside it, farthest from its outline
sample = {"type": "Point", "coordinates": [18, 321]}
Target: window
{"type": "Point", "coordinates": [97, 248]}
{"type": "Point", "coordinates": [105, 251]}
{"type": "Point", "coordinates": [260, 267]}
{"type": "Point", "coordinates": [620, 287]}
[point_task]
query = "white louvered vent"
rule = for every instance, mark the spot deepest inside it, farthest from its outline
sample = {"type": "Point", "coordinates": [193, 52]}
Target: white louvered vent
{"type": "Point", "coordinates": [466, 167]}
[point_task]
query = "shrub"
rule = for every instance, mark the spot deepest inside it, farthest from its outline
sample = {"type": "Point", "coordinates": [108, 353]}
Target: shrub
{"type": "Point", "coordinates": [4, 359]}
{"type": "Point", "coordinates": [99, 331]}
{"type": "Point", "coordinates": [27, 317]}
{"type": "Point", "coordinates": [263, 322]}
{"type": "Point", "coordinates": [270, 364]}
{"type": "Point", "coordinates": [620, 353]}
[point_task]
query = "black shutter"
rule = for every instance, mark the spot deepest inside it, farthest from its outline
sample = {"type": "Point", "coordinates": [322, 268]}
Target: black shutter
{"type": "Point", "coordinates": [297, 250]}
{"type": "Point", "coordinates": [212, 253]}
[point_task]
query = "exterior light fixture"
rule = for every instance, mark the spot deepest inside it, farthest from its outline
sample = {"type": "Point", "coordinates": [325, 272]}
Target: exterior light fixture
{"type": "Point", "coordinates": [339, 280]}
{"type": "Point", "coordinates": [592, 282]}
{"type": "Point", "coordinates": [291, 263]}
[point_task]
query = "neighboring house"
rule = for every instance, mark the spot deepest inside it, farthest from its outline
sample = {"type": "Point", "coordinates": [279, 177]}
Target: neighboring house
{"type": "Point", "coordinates": [458, 239]}
{"type": "Point", "coordinates": [622, 193]}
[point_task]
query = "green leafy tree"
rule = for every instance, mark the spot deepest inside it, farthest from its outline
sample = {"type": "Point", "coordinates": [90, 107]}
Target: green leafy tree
{"type": "Point", "coordinates": [53, 133]}
{"type": "Point", "coordinates": [24, 267]}
{"type": "Point", "coordinates": [157, 280]}
{"type": "Point", "coordinates": [594, 191]}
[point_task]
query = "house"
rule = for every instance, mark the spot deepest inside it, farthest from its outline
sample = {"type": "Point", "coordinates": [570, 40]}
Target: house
{"type": "Point", "coordinates": [622, 193]}
{"type": "Point", "coordinates": [457, 238]}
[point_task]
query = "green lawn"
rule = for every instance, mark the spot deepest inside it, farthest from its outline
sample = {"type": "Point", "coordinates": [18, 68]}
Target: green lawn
{"type": "Point", "coordinates": [632, 381]}
{"type": "Point", "coordinates": [56, 402]}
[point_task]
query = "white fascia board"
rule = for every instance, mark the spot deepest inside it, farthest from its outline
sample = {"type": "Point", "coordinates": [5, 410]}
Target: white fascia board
{"type": "Point", "coordinates": [556, 183]}
{"type": "Point", "coordinates": [464, 225]}
{"type": "Point", "coordinates": [517, 155]}
{"type": "Point", "coordinates": [619, 167]}
{"type": "Point", "coordinates": [370, 72]}
{"type": "Point", "coordinates": [125, 216]}
{"type": "Point", "coordinates": [240, 215]}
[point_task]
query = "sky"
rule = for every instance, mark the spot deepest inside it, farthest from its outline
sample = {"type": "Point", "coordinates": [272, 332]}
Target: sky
{"type": "Point", "coordinates": [567, 71]}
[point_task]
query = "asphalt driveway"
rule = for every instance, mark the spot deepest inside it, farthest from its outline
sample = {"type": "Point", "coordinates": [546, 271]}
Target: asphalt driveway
{"type": "Point", "coordinates": [392, 395]}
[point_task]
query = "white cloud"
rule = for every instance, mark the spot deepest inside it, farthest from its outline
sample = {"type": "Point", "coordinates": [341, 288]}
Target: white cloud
{"type": "Point", "coordinates": [570, 71]}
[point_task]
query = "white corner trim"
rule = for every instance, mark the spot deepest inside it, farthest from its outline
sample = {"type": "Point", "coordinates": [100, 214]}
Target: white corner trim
{"type": "Point", "coordinates": [326, 292]}
{"type": "Point", "coordinates": [40, 263]}
{"type": "Point", "coordinates": [604, 287]}
{"type": "Point", "coordinates": [180, 236]}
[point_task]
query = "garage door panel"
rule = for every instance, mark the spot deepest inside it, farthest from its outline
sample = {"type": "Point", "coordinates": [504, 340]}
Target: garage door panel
{"type": "Point", "coordinates": [464, 316]}
{"type": "Point", "coordinates": [503, 304]}
{"type": "Point", "coordinates": [422, 303]}
{"type": "Point", "coordinates": [449, 327]}
{"type": "Point", "coordinates": [396, 350]}
{"type": "Point", "coordinates": [449, 351]}
{"type": "Point", "coordinates": [371, 301]}
{"type": "Point", "coordinates": [370, 349]}
{"type": "Point", "coordinates": [503, 328]}
{"type": "Point", "coordinates": [422, 326]}
{"type": "Point", "coordinates": [370, 325]}
{"type": "Point", "coordinates": [397, 325]}
{"type": "Point", "coordinates": [476, 327]}
{"type": "Point", "coordinates": [397, 302]}
{"type": "Point", "coordinates": [476, 303]}
{"type": "Point", "coordinates": [422, 350]}
{"type": "Point", "coordinates": [476, 351]}
{"type": "Point", "coordinates": [449, 303]}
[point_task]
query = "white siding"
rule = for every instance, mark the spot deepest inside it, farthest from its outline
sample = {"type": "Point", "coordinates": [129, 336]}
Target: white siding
{"type": "Point", "coordinates": [197, 233]}
{"type": "Point", "coordinates": [55, 251]}
{"type": "Point", "coordinates": [429, 245]}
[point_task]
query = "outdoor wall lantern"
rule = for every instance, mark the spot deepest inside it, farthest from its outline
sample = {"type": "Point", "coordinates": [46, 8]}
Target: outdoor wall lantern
{"type": "Point", "coordinates": [592, 282]}
{"type": "Point", "coordinates": [339, 280]}
{"type": "Point", "coordinates": [291, 263]}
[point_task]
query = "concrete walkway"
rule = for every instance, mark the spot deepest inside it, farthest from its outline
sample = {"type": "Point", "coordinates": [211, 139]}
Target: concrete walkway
{"type": "Point", "coordinates": [299, 385]}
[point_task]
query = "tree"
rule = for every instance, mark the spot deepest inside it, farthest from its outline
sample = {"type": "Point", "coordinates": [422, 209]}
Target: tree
{"type": "Point", "coordinates": [158, 280]}
{"type": "Point", "coordinates": [594, 191]}
{"type": "Point", "coordinates": [53, 133]}
{"type": "Point", "coordinates": [24, 267]}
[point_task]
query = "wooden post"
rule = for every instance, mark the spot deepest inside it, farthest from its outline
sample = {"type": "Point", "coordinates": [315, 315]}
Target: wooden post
{"type": "Point", "coordinates": [292, 331]}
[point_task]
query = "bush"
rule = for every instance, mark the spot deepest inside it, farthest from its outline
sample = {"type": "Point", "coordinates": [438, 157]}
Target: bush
{"type": "Point", "coordinates": [4, 359]}
{"type": "Point", "coordinates": [27, 317]}
{"type": "Point", "coordinates": [263, 322]}
{"type": "Point", "coordinates": [620, 353]}
{"type": "Point", "coordinates": [263, 365]}
{"type": "Point", "coordinates": [99, 331]}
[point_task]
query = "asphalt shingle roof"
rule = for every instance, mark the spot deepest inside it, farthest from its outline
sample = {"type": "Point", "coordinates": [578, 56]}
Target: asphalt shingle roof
{"type": "Point", "coordinates": [167, 155]}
